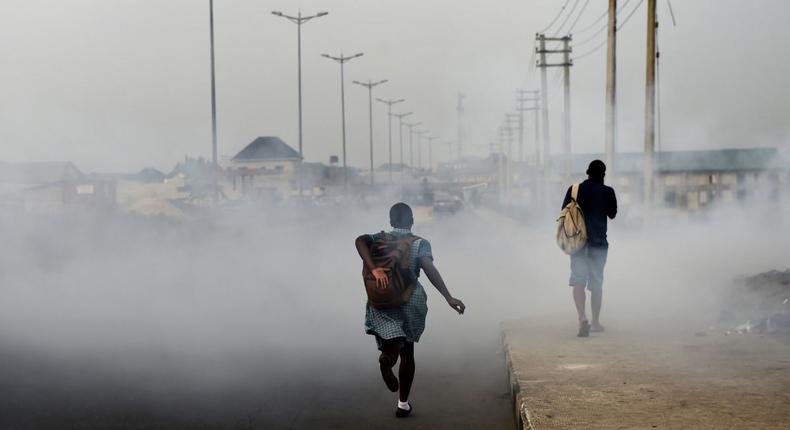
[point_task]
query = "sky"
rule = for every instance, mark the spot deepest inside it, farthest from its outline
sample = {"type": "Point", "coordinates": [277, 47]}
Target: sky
{"type": "Point", "coordinates": [118, 85]}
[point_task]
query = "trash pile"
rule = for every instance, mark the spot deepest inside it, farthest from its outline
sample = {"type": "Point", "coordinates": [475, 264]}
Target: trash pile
{"type": "Point", "coordinates": [762, 301]}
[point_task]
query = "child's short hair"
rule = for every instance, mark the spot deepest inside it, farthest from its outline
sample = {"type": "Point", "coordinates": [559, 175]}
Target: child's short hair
{"type": "Point", "coordinates": [401, 215]}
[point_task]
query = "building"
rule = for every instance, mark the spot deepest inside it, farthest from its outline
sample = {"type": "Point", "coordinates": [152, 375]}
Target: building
{"type": "Point", "coordinates": [53, 187]}
{"type": "Point", "coordinates": [695, 179]}
{"type": "Point", "coordinates": [266, 168]}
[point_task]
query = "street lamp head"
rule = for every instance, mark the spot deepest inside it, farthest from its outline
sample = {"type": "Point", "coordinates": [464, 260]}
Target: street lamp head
{"type": "Point", "coordinates": [322, 13]}
{"type": "Point", "coordinates": [383, 81]}
{"type": "Point", "coordinates": [358, 83]}
{"type": "Point", "coordinates": [326, 55]}
{"type": "Point", "coordinates": [356, 55]}
{"type": "Point", "coordinates": [277, 13]}
{"type": "Point", "coordinates": [399, 101]}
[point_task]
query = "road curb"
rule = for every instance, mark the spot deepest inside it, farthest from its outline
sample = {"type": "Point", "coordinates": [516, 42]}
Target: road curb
{"type": "Point", "coordinates": [521, 413]}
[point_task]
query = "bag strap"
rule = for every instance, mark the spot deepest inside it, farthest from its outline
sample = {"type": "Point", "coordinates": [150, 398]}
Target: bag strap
{"type": "Point", "coordinates": [575, 192]}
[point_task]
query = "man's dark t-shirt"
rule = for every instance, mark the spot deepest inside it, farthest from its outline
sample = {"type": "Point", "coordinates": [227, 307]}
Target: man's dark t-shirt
{"type": "Point", "coordinates": [597, 202]}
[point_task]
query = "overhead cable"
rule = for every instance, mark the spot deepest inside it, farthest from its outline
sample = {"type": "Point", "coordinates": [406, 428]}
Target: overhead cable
{"type": "Point", "coordinates": [562, 9]}
{"type": "Point", "coordinates": [600, 30]}
{"type": "Point", "coordinates": [578, 17]}
{"type": "Point", "coordinates": [567, 18]}
{"type": "Point", "coordinates": [602, 44]}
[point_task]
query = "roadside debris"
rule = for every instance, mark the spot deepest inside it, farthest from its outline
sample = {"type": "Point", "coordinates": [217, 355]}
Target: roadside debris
{"type": "Point", "coordinates": [764, 299]}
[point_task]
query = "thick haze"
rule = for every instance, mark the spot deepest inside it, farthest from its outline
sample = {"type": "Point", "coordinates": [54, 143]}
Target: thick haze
{"type": "Point", "coordinates": [118, 85]}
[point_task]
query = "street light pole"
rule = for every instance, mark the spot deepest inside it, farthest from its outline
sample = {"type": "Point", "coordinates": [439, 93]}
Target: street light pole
{"type": "Point", "coordinates": [342, 60]}
{"type": "Point", "coordinates": [411, 126]}
{"type": "Point", "coordinates": [400, 117]}
{"type": "Point", "coordinates": [389, 104]}
{"type": "Point", "coordinates": [369, 85]}
{"type": "Point", "coordinates": [299, 20]}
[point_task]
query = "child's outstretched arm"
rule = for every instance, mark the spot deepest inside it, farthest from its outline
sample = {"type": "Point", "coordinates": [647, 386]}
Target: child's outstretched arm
{"type": "Point", "coordinates": [436, 279]}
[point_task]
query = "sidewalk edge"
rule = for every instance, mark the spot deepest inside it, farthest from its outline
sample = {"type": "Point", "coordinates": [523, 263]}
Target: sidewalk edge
{"type": "Point", "coordinates": [517, 393]}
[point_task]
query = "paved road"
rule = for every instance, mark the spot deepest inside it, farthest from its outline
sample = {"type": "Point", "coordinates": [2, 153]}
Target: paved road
{"type": "Point", "coordinates": [453, 390]}
{"type": "Point", "coordinates": [460, 384]}
{"type": "Point", "coordinates": [184, 344]}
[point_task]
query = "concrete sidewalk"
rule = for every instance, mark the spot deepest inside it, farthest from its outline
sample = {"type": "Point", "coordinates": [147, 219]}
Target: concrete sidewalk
{"type": "Point", "coordinates": [628, 379]}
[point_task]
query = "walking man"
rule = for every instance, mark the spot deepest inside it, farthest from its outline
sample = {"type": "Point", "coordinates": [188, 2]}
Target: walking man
{"type": "Point", "coordinates": [597, 202]}
{"type": "Point", "coordinates": [397, 329]}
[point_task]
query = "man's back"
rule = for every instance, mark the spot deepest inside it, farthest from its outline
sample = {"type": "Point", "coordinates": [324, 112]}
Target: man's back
{"type": "Point", "coordinates": [598, 202]}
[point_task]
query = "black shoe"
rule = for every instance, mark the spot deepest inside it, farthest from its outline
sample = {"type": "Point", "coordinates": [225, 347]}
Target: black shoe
{"type": "Point", "coordinates": [390, 380]}
{"type": "Point", "coordinates": [403, 413]}
{"type": "Point", "coordinates": [584, 329]}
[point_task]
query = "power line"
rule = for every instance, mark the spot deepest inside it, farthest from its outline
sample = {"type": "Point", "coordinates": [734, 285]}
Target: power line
{"type": "Point", "coordinates": [578, 17]}
{"type": "Point", "coordinates": [602, 44]}
{"type": "Point", "coordinates": [672, 13]}
{"type": "Point", "coordinates": [556, 17]}
{"type": "Point", "coordinates": [565, 21]}
{"type": "Point", "coordinates": [594, 23]}
{"type": "Point", "coordinates": [601, 29]}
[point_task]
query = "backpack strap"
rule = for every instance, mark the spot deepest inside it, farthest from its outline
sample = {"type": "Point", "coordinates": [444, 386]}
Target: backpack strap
{"type": "Point", "coordinates": [575, 192]}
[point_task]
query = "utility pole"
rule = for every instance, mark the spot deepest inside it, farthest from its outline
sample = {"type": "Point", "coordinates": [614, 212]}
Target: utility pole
{"type": "Point", "coordinates": [215, 165]}
{"type": "Point", "coordinates": [389, 104]}
{"type": "Point", "coordinates": [460, 110]}
{"type": "Point", "coordinates": [521, 108]}
{"type": "Point", "coordinates": [611, 87]}
{"type": "Point", "coordinates": [500, 165]}
{"type": "Point", "coordinates": [342, 60]}
{"type": "Point", "coordinates": [566, 65]}
{"type": "Point", "coordinates": [509, 128]}
{"type": "Point", "coordinates": [544, 102]}
{"type": "Point", "coordinates": [369, 85]}
{"type": "Point", "coordinates": [411, 126]}
{"type": "Point", "coordinates": [400, 117]}
{"type": "Point", "coordinates": [299, 20]}
{"type": "Point", "coordinates": [650, 105]}
{"type": "Point", "coordinates": [430, 152]}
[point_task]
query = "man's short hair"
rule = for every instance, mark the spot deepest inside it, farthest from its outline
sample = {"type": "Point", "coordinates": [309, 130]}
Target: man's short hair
{"type": "Point", "coordinates": [401, 215]}
{"type": "Point", "coordinates": [596, 169]}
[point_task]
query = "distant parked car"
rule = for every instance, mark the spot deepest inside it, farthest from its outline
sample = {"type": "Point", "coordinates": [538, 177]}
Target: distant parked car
{"type": "Point", "coordinates": [447, 204]}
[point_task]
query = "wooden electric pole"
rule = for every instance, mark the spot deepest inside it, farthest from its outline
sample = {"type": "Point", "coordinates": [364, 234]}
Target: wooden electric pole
{"type": "Point", "coordinates": [611, 88]}
{"type": "Point", "coordinates": [650, 105]}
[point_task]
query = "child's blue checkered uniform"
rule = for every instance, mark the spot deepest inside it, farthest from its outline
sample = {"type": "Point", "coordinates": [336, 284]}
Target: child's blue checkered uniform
{"type": "Point", "coordinates": [406, 322]}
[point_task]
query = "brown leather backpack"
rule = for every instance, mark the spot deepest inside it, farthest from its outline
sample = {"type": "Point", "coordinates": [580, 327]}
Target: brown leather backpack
{"type": "Point", "coordinates": [395, 255]}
